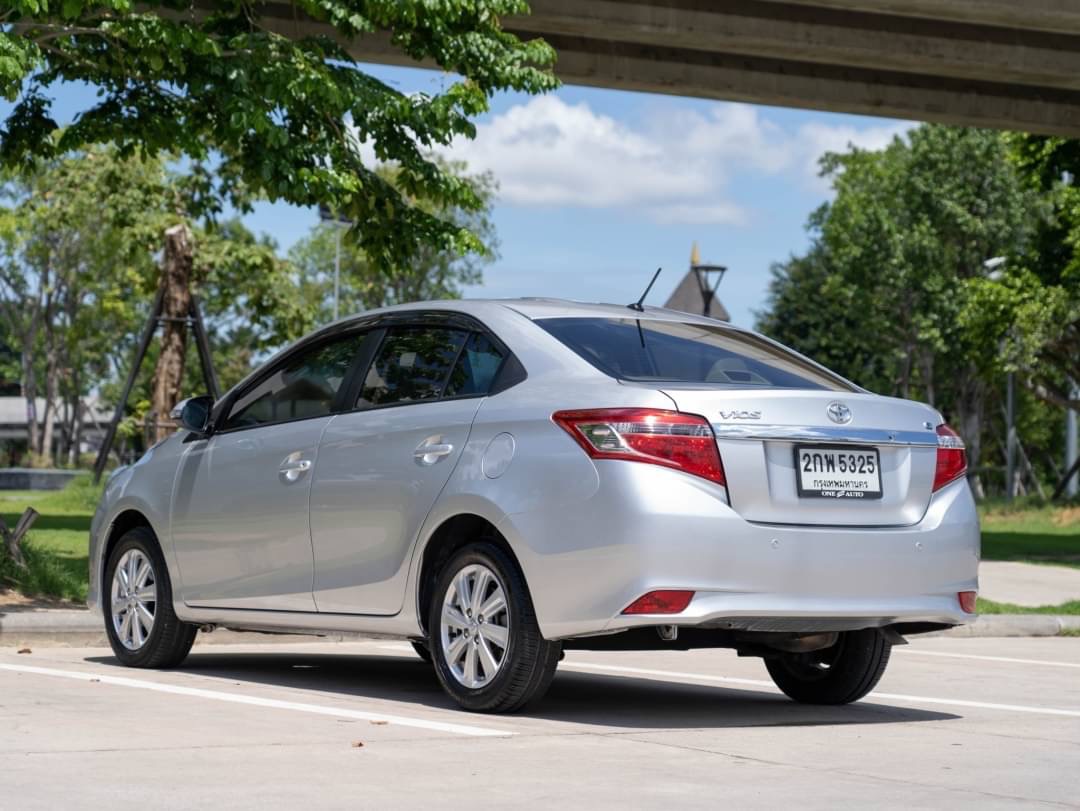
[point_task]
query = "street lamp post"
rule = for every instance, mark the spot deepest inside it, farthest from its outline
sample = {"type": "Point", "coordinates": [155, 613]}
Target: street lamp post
{"type": "Point", "coordinates": [337, 269]}
{"type": "Point", "coordinates": [996, 266]}
{"type": "Point", "coordinates": [339, 223]}
{"type": "Point", "coordinates": [701, 271]}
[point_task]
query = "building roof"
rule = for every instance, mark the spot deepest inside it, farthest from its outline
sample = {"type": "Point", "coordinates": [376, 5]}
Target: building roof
{"type": "Point", "coordinates": [13, 411]}
{"type": "Point", "coordinates": [687, 298]}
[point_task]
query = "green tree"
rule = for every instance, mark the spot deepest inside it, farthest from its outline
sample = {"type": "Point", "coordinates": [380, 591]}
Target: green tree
{"type": "Point", "coordinates": [78, 237]}
{"type": "Point", "coordinates": [891, 288]}
{"type": "Point", "coordinates": [432, 273]}
{"type": "Point", "coordinates": [283, 116]}
{"type": "Point", "coordinates": [1044, 290]}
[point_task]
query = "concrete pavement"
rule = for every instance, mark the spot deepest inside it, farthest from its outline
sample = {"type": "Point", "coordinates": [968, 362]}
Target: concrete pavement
{"type": "Point", "coordinates": [1028, 584]}
{"type": "Point", "coordinates": [954, 722]}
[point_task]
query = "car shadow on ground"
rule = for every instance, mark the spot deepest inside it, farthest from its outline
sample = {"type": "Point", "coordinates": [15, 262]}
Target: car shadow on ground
{"type": "Point", "coordinates": [575, 697]}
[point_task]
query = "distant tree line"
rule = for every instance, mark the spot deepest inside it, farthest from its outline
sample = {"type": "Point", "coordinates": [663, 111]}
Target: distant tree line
{"type": "Point", "coordinates": [192, 109]}
{"type": "Point", "coordinates": [80, 251]}
{"type": "Point", "coordinates": [944, 261]}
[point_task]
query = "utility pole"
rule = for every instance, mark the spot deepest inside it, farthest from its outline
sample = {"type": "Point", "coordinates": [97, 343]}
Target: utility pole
{"type": "Point", "coordinates": [1010, 436]}
{"type": "Point", "coordinates": [1072, 488]}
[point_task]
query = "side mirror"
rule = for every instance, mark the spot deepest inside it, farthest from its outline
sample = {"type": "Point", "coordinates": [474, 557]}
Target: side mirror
{"type": "Point", "coordinates": [193, 414]}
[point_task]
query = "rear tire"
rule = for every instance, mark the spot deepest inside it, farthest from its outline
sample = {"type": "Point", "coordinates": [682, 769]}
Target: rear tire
{"type": "Point", "coordinates": [422, 651]}
{"type": "Point", "coordinates": [142, 627]}
{"type": "Point", "coordinates": [498, 662]}
{"type": "Point", "coordinates": [840, 674]}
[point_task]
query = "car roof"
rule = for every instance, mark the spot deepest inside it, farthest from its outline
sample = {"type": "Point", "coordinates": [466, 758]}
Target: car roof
{"type": "Point", "coordinates": [539, 308]}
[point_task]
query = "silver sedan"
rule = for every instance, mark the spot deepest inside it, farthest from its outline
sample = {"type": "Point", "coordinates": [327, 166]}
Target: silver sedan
{"type": "Point", "coordinates": [498, 481]}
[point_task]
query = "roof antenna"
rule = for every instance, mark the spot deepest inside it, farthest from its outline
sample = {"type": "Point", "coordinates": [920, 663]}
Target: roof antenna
{"type": "Point", "coordinates": [638, 305]}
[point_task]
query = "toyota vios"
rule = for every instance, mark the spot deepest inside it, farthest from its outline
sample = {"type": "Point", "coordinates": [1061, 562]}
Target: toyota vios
{"type": "Point", "coordinates": [501, 480]}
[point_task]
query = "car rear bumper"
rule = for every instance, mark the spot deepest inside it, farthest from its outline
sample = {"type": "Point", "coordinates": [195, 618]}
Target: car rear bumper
{"type": "Point", "coordinates": [649, 528]}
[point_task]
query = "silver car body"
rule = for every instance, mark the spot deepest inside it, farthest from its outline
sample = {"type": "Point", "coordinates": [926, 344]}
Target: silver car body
{"type": "Point", "coordinates": [322, 524]}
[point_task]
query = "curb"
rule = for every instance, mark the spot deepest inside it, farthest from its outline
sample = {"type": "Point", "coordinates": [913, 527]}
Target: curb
{"type": "Point", "coordinates": [81, 627]}
{"type": "Point", "coordinates": [52, 626]}
{"type": "Point", "coordinates": [990, 625]}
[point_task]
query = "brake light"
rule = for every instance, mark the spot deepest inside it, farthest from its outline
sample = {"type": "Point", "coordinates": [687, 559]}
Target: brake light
{"type": "Point", "coordinates": [667, 438]}
{"type": "Point", "coordinates": [951, 457]}
{"type": "Point", "coordinates": [666, 601]}
{"type": "Point", "coordinates": [967, 601]}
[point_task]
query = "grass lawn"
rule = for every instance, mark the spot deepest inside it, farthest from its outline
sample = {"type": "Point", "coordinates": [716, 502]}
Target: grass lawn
{"type": "Point", "coordinates": [990, 607]}
{"type": "Point", "coordinates": [1031, 533]}
{"type": "Point", "coordinates": [56, 546]}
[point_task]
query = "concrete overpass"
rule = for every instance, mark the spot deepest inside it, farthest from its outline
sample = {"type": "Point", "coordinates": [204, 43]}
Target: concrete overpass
{"type": "Point", "coordinates": [1010, 64]}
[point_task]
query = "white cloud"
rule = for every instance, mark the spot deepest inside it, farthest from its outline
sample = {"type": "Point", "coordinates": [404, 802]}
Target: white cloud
{"type": "Point", "coordinates": [702, 213]}
{"type": "Point", "coordinates": [674, 169]}
{"type": "Point", "coordinates": [547, 152]}
{"type": "Point", "coordinates": [816, 139]}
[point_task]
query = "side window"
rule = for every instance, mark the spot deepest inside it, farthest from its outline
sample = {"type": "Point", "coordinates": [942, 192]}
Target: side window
{"type": "Point", "coordinates": [476, 368]}
{"type": "Point", "coordinates": [304, 387]}
{"type": "Point", "coordinates": [412, 364]}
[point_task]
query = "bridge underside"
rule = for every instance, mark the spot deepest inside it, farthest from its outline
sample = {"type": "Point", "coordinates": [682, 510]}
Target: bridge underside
{"type": "Point", "coordinates": [1008, 64]}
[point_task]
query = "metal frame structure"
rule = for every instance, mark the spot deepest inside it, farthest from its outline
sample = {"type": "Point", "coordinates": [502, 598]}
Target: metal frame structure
{"type": "Point", "coordinates": [155, 320]}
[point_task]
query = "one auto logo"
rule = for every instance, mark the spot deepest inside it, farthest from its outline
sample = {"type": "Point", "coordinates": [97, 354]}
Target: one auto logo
{"type": "Point", "coordinates": [838, 413]}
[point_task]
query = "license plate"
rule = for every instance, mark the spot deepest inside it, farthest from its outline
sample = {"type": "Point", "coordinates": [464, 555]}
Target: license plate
{"type": "Point", "coordinates": [837, 471]}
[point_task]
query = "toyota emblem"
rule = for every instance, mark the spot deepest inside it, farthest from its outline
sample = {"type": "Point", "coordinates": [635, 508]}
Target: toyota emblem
{"type": "Point", "coordinates": [839, 413]}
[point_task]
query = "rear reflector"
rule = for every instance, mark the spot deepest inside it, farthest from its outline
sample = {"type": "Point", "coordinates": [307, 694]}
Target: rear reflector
{"type": "Point", "coordinates": [951, 457]}
{"type": "Point", "coordinates": [967, 601]}
{"type": "Point", "coordinates": [667, 601]}
{"type": "Point", "coordinates": [667, 438]}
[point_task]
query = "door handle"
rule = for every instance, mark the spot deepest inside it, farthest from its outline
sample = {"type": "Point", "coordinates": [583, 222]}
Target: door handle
{"type": "Point", "coordinates": [292, 468]}
{"type": "Point", "coordinates": [431, 450]}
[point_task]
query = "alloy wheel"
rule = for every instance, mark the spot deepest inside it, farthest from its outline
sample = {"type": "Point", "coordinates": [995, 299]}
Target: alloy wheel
{"type": "Point", "coordinates": [134, 599]}
{"type": "Point", "coordinates": [475, 626]}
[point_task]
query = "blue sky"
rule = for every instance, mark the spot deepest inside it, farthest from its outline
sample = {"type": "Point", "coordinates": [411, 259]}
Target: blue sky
{"type": "Point", "coordinates": [598, 188]}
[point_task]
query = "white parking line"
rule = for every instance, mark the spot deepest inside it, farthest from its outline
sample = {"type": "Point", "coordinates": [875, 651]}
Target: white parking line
{"type": "Point", "coordinates": [673, 675]}
{"type": "Point", "coordinates": [906, 650]}
{"type": "Point", "coordinates": [256, 701]}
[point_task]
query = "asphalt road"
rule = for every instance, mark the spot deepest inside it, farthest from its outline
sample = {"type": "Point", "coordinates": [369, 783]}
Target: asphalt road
{"type": "Point", "coordinates": [955, 722]}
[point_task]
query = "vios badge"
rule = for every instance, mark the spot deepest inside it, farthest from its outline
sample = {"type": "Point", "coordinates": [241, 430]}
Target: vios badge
{"type": "Point", "coordinates": [740, 415]}
{"type": "Point", "coordinates": [838, 413]}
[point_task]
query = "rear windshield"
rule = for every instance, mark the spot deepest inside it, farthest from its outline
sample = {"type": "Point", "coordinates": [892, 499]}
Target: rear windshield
{"type": "Point", "coordinates": [670, 351]}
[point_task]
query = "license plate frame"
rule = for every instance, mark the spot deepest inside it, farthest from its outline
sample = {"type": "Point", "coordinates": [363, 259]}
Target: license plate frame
{"type": "Point", "coordinates": [838, 493]}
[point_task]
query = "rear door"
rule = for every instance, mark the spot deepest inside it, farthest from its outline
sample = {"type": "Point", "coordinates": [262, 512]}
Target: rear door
{"type": "Point", "coordinates": [382, 465]}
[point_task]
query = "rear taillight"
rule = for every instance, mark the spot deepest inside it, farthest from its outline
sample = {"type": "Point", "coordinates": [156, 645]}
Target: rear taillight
{"type": "Point", "coordinates": [951, 457]}
{"type": "Point", "coordinates": [668, 438]}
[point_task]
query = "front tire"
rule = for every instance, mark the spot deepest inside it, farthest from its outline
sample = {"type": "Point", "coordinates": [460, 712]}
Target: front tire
{"type": "Point", "coordinates": [487, 648]}
{"type": "Point", "coordinates": [142, 627]}
{"type": "Point", "coordinates": [840, 674]}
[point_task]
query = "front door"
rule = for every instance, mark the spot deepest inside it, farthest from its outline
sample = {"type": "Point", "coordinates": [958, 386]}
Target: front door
{"type": "Point", "coordinates": [382, 467]}
{"type": "Point", "coordinates": [240, 500]}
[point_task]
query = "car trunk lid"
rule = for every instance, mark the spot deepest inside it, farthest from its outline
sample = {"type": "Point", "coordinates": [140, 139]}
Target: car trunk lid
{"type": "Point", "coordinates": [759, 433]}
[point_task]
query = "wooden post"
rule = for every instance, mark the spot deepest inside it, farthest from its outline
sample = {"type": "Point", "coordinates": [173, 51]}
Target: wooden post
{"type": "Point", "coordinates": [13, 538]}
{"type": "Point", "coordinates": [175, 313]}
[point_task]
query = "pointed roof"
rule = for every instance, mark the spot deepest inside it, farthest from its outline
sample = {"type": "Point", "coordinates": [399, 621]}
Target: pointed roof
{"type": "Point", "coordinates": [687, 298]}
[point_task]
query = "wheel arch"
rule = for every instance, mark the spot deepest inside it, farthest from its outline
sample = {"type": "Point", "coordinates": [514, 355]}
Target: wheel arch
{"type": "Point", "coordinates": [453, 534]}
{"type": "Point", "coordinates": [125, 521]}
